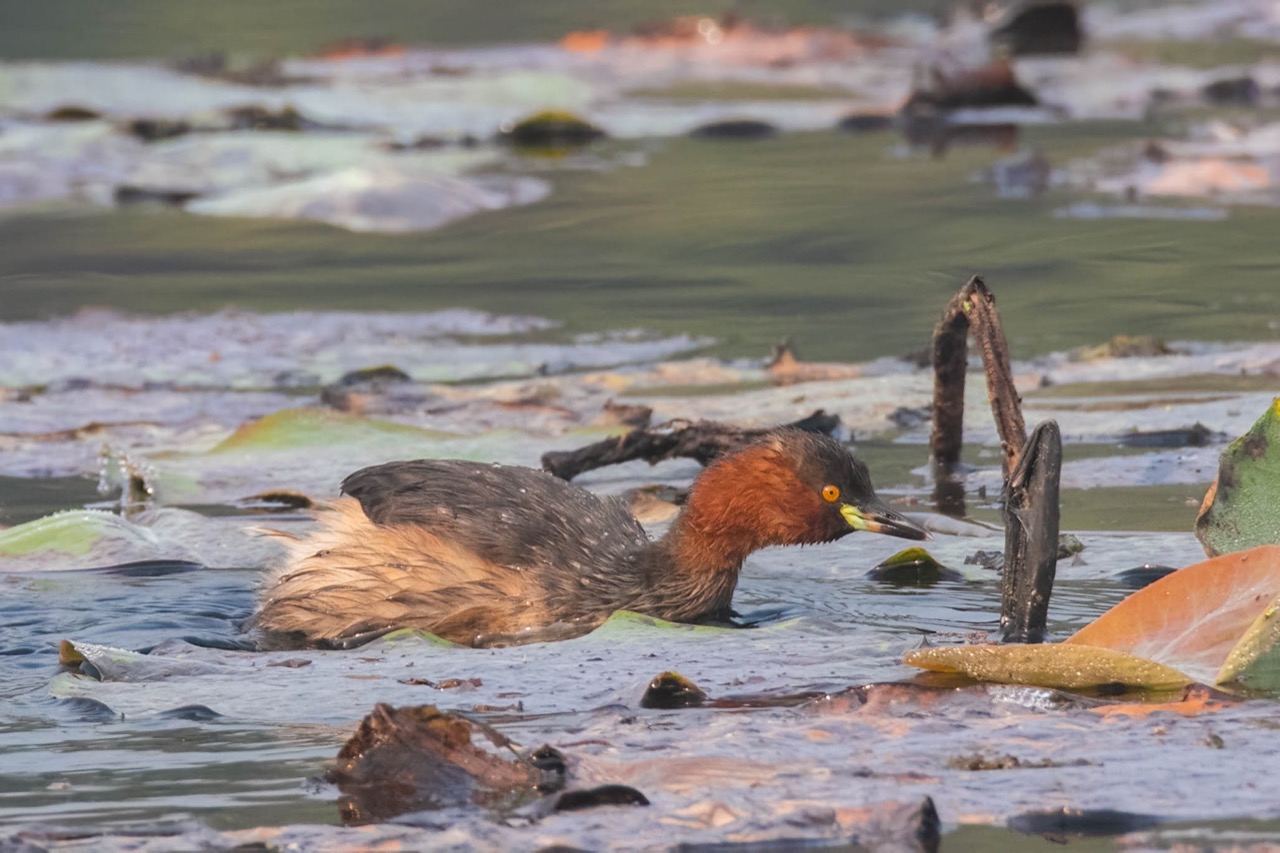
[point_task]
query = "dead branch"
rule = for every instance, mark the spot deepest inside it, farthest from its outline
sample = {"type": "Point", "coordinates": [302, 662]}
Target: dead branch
{"type": "Point", "coordinates": [972, 311]}
{"type": "Point", "coordinates": [1032, 466]}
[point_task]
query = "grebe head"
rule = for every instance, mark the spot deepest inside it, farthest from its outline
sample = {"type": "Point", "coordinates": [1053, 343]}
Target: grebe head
{"type": "Point", "coordinates": [839, 497]}
{"type": "Point", "coordinates": [789, 488]}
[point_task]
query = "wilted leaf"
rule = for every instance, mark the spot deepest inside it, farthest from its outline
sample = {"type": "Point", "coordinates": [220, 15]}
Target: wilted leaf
{"type": "Point", "coordinates": [1239, 512]}
{"type": "Point", "coordinates": [1071, 667]}
{"type": "Point", "coordinates": [413, 759]}
{"type": "Point", "coordinates": [1195, 618]}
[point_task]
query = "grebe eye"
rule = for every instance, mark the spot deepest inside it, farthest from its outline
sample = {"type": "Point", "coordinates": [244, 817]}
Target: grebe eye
{"type": "Point", "coordinates": [830, 494]}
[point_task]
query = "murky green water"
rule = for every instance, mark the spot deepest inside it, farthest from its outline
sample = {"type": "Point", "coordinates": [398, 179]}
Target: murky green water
{"type": "Point", "coordinates": [832, 240]}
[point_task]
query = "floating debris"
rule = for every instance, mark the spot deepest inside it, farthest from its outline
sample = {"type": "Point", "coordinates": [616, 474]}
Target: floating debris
{"type": "Point", "coordinates": [551, 129]}
{"type": "Point", "coordinates": [1037, 28]}
{"type": "Point", "coordinates": [1196, 435]}
{"type": "Point", "coordinates": [672, 690]}
{"type": "Point", "coordinates": [913, 567]}
{"type": "Point", "coordinates": [743, 128]}
{"type": "Point", "coordinates": [409, 759]}
{"type": "Point", "coordinates": [73, 113]}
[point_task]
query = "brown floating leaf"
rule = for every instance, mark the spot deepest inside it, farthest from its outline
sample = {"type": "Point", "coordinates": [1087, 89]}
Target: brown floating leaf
{"type": "Point", "coordinates": [68, 654]}
{"type": "Point", "coordinates": [410, 759]}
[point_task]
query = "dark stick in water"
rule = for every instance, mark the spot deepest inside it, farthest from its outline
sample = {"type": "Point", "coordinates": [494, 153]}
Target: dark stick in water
{"type": "Point", "coordinates": [1031, 536]}
{"type": "Point", "coordinates": [1031, 466]}
{"type": "Point", "coordinates": [971, 311]}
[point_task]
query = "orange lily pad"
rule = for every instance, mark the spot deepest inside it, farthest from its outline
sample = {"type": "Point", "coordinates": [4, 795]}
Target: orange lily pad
{"type": "Point", "coordinates": [1216, 622]}
{"type": "Point", "coordinates": [1195, 618]}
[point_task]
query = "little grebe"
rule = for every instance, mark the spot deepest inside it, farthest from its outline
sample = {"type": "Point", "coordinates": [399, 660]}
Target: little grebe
{"type": "Point", "coordinates": [481, 554]}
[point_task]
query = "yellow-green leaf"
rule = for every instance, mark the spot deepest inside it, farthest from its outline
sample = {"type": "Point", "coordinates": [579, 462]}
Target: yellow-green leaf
{"type": "Point", "coordinates": [291, 428]}
{"type": "Point", "coordinates": [1069, 667]}
{"type": "Point", "coordinates": [1255, 660]}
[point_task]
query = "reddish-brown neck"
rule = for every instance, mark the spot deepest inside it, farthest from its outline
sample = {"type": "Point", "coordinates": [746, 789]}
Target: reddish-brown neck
{"type": "Point", "coordinates": [740, 504]}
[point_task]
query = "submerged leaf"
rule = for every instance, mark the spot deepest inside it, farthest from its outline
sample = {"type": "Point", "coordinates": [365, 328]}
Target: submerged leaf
{"type": "Point", "coordinates": [106, 663]}
{"type": "Point", "coordinates": [670, 690]}
{"type": "Point", "coordinates": [1070, 667]}
{"type": "Point", "coordinates": [1239, 512]}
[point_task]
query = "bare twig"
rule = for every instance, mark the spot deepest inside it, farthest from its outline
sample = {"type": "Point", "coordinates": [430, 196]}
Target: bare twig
{"type": "Point", "coordinates": [972, 311]}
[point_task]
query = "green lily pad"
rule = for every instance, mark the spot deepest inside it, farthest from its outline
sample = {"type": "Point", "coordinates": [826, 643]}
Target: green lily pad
{"type": "Point", "coordinates": [552, 129]}
{"type": "Point", "coordinates": [412, 636]}
{"type": "Point", "coordinates": [1058, 665]}
{"type": "Point", "coordinates": [289, 429]}
{"type": "Point", "coordinates": [1240, 510]}
{"type": "Point", "coordinates": [76, 533]}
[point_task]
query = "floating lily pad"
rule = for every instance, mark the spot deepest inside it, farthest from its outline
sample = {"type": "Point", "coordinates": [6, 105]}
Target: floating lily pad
{"type": "Point", "coordinates": [1254, 661]}
{"type": "Point", "coordinates": [1195, 618]}
{"type": "Point", "coordinates": [72, 533]}
{"type": "Point", "coordinates": [1239, 511]}
{"type": "Point", "coordinates": [1214, 622]}
{"type": "Point", "coordinates": [1071, 667]}
{"type": "Point", "coordinates": [292, 428]}
{"type": "Point", "coordinates": [84, 539]}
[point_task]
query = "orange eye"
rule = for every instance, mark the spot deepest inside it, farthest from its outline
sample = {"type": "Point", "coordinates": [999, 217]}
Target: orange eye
{"type": "Point", "coordinates": [830, 494]}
